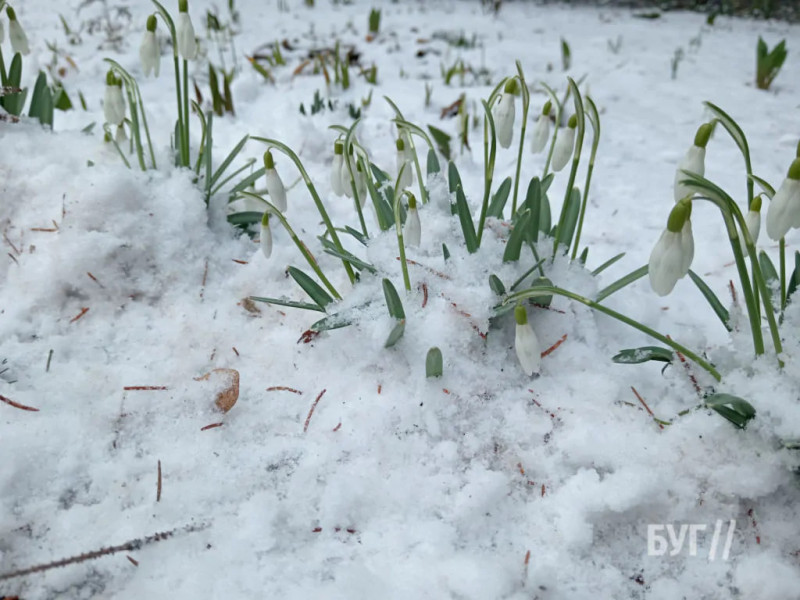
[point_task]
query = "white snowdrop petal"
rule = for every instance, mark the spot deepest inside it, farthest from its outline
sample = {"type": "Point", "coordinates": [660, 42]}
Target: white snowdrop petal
{"type": "Point", "coordinates": [694, 162]}
{"type": "Point", "coordinates": [150, 54]}
{"type": "Point", "coordinates": [784, 209]}
{"type": "Point", "coordinates": [666, 262]}
{"type": "Point", "coordinates": [266, 241]}
{"type": "Point", "coordinates": [541, 134]}
{"type": "Point", "coordinates": [527, 347]}
{"type": "Point", "coordinates": [503, 114]}
{"type": "Point", "coordinates": [114, 105]}
{"type": "Point", "coordinates": [19, 41]}
{"type": "Point", "coordinates": [562, 150]}
{"type": "Point", "coordinates": [276, 190]}
{"type": "Point", "coordinates": [187, 46]}
{"type": "Point", "coordinates": [412, 231]}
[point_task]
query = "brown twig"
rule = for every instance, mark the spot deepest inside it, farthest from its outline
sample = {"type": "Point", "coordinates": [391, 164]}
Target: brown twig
{"type": "Point", "coordinates": [212, 426]}
{"type": "Point", "coordinates": [10, 243]}
{"type": "Point", "coordinates": [130, 546]}
{"type": "Point", "coordinates": [424, 295]}
{"type": "Point", "coordinates": [554, 346]}
{"type": "Point", "coordinates": [84, 310]}
{"type": "Point", "coordinates": [235, 351]}
{"type": "Point", "coordinates": [93, 278]}
{"type": "Point", "coordinates": [17, 404]}
{"type": "Point", "coordinates": [158, 484]}
{"type": "Point", "coordinates": [311, 412]}
{"type": "Point", "coordinates": [240, 262]}
{"type": "Point", "coordinates": [144, 388]}
{"type": "Point", "coordinates": [203, 284]}
{"type": "Point", "coordinates": [733, 291]}
{"type": "Point", "coordinates": [688, 368]}
{"type": "Point", "coordinates": [133, 561]}
{"type": "Point", "coordinates": [283, 388]}
{"type": "Point", "coordinates": [428, 269]}
{"type": "Point", "coordinates": [338, 427]}
{"type": "Point", "coordinates": [647, 408]}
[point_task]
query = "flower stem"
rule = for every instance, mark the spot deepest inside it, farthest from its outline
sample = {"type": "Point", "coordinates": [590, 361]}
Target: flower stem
{"type": "Point", "coordinates": [550, 290]}
{"type": "Point", "coordinates": [526, 101]}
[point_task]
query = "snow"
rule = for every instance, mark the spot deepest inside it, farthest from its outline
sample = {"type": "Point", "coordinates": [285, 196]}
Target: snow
{"type": "Point", "coordinates": [395, 486]}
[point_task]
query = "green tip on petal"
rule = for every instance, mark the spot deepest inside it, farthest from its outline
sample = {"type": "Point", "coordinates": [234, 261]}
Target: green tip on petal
{"type": "Point", "coordinates": [680, 213]}
{"type": "Point", "coordinates": [548, 106]}
{"type": "Point", "coordinates": [111, 79]}
{"type": "Point", "coordinates": [151, 23]}
{"type": "Point", "coordinates": [269, 162]}
{"type": "Point", "coordinates": [511, 86]}
{"type": "Point", "coordinates": [183, 5]}
{"type": "Point", "coordinates": [573, 122]}
{"type": "Point", "coordinates": [703, 135]}
{"type": "Point", "coordinates": [265, 220]}
{"type": "Point", "coordinates": [12, 16]}
{"type": "Point", "coordinates": [338, 147]}
{"type": "Point", "coordinates": [412, 201]}
{"type": "Point", "coordinates": [794, 170]}
{"type": "Point", "coordinates": [400, 144]}
{"type": "Point", "coordinates": [755, 205]}
{"type": "Point", "coordinates": [520, 315]}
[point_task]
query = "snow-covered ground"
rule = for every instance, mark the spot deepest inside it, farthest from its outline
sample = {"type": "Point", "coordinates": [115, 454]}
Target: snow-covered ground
{"type": "Point", "coordinates": [484, 484]}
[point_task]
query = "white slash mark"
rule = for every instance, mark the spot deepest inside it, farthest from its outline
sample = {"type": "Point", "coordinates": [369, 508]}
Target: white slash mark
{"type": "Point", "coordinates": [712, 552]}
{"type": "Point", "coordinates": [729, 540]}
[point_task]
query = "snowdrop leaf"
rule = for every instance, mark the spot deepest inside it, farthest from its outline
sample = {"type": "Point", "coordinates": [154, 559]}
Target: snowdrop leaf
{"type": "Point", "coordinates": [383, 209]}
{"type": "Point", "coordinates": [380, 175]}
{"type": "Point", "coordinates": [356, 234]}
{"type": "Point", "coordinates": [794, 280]}
{"type": "Point", "coordinates": [445, 252]}
{"type": "Point", "coordinates": [496, 285]}
{"type": "Point", "coordinates": [397, 332]}
{"type": "Point", "coordinates": [584, 256]}
{"type": "Point", "coordinates": [519, 229]}
{"type": "Point", "coordinates": [393, 302]}
{"type": "Point", "coordinates": [768, 270]}
{"type": "Point", "coordinates": [768, 189]}
{"type": "Point", "coordinates": [547, 181]}
{"type": "Point", "coordinates": [247, 182]}
{"type": "Point", "coordinates": [607, 264]}
{"type": "Point", "coordinates": [533, 201]}
{"type": "Point", "coordinates": [467, 226]}
{"type": "Point", "coordinates": [712, 300]}
{"type": "Point", "coordinates": [229, 159]}
{"type": "Point", "coordinates": [433, 363]}
{"type": "Point", "coordinates": [330, 248]}
{"type": "Point", "coordinates": [572, 210]}
{"type": "Point", "coordinates": [544, 298]}
{"type": "Point", "coordinates": [311, 287]}
{"type": "Point", "coordinates": [442, 140]}
{"type": "Point", "coordinates": [37, 99]}
{"type": "Point", "coordinates": [453, 177]}
{"type": "Point", "coordinates": [621, 283]}
{"type": "Point", "coordinates": [245, 218]}
{"type": "Point", "coordinates": [289, 303]}
{"type": "Point", "coordinates": [733, 128]}
{"type": "Point", "coordinates": [633, 356]}
{"type": "Point", "coordinates": [499, 199]}
{"type": "Point", "coordinates": [331, 322]}
{"type": "Point", "coordinates": [736, 410]}
{"type": "Point", "coordinates": [433, 162]}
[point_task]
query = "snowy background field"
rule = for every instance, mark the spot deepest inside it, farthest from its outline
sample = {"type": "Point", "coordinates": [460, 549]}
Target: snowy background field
{"type": "Point", "coordinates": [484, 484]}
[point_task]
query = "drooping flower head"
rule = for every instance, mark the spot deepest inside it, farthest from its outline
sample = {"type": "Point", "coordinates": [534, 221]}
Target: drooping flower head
{"type": "Point", "coordinates": [19, 41]}
{"type": "Point", "coordinates": [565, 144]}
{"type": "Point", "coordinates": [403, 163]}
{"type": "Point", "coordinates": [784, 210]}
{"type": "Point", "coordinates": [503, 113]}
{"type": "Point", "coordinates": [526, 343]}
{"type": "Point", "coordinates": [113, 101]}
{"type": "Point", "coordinates": [266, 236]}
{"type": "Point", "coordinates": [412, 231]}
{"type": "Point", "coordinates": [753, 221]}
{"type": "Point", "coordinates": [275, 188]}
{"type": "Point", "coordinates": [149, 52]}
{"type": "Point", "coordinates": [542, 131]}
{"type": "Point", "coordinates": [693, 161]}
{"type": "Point", "coordinates": [187, 45]}
{"type": "Point", "coordinates": [673, 253]}
{"type": "Point", "coordinates": [337, 184]}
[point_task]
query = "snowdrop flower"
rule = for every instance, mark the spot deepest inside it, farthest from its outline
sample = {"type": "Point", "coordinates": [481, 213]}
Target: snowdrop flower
{"type": "Point", "coordinates": [275, 189]}
{"type": "Point", "coordinates": [503, 113]}
{"type": "Point", "coordinates": [402, 161]}
{"type": "Point", "coordinates": [19, 41]}
{"type": "Point", "coordinates": [266, 236]}
{"type": "Point", "coordinates": [149, 52]}
{"type": "Point", "coordinates": [784, 210]}
{"type": "Point", "coordinates": [542, 132]}
{"type": "Point", "coordinates": [753, 221]}
{"type": "Point", "coordinates": [693, 162]}
{"type": "Point", "coordinates": [113, 102]}
{"type": "Point", "coordinates": [412, 232]}
{"type": "Point", "coordinates": [337, 183]}
{"type": "Point", "coordinates": [672, 255]}
{"type": "Point", "coordinates": [187, 46]}
{"type": "Point", "coordinates": [565, 143]}
{"type": "Point", "coordinates": [526, 343]}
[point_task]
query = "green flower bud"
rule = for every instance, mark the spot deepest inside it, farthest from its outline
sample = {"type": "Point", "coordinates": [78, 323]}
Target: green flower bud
{"type": "Point", "coordinates": [400, 144]}
{"type": "Point", "coordinates": [703, 134]}
{"type": "Point", "coordinates": [679, 215]}
{"type": "Point", "coordinates": [573, 122]}
{"type": "Point", "coordinates": [794, 170]}
{"type": "Point", "coordinates": [151, 23]}
{"type": "Point", "coordinates": [548, 106]}
{"type": "Point", "coordinates": [511, 86]}
{"type": "Point", "coordinates": [183, 6]}
{"type": "Point", "coordinates": [412, 201]}
{"type": "Point", "coordinates": [12, 16]}
{"type": "Point", "coordinates": [755, 205]}
{"type": "Point", "coordinates": [520, 315]}
{"type": "Point", "coordinates": [112, 79]}
{"type": "Point", "coordinates": [269, 162]}
{"type": "Point", "coordinates": [265, 220]}
{"type": "Point", "coordinates": [338, 147]}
